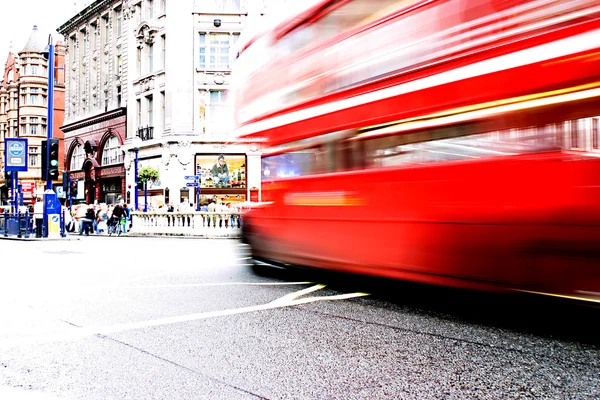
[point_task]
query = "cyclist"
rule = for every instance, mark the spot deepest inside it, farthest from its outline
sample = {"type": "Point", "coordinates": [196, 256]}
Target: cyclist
{"type": "Point", "coordinates": [117, 215]}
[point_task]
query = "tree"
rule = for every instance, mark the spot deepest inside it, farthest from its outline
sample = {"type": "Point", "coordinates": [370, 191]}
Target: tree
{"type": "Point", "coordinates": [148, 174]}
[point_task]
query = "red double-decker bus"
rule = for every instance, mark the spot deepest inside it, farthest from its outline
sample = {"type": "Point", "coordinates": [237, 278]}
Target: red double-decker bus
{"type": "Point", "coordinates": [451, 142]}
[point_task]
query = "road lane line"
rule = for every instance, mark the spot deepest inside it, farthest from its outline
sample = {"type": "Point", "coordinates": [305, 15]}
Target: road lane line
{"type": "Point", "coordinates": [288, 298]}
{"type": "Point", "coordinates": [77, 333]}
{"type": "Point", "coordinates": [210, 284]}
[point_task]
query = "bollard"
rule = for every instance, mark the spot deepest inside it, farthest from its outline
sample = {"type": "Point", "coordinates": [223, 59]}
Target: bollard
{"type": "Point", "coordinates": [19, 225]}
{"type": "Point", "coordinates": [63, 232]}
{"type": "Point", "coordinates": [27, 225]}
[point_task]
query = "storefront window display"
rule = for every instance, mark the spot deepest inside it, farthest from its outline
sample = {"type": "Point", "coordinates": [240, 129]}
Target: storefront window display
{"type": "Point", "coordinates": [232, 200]}
{"type": "Point", "coordinates": [111, 190]}
{"type": "Point", "coordinates": [224, 171]}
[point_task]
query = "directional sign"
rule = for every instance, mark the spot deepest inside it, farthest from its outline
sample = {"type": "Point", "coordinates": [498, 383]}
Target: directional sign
{"type": "Point", "coordinates": [192, 184]}
{"type": "Point", "coordinates": [16, 154]}
{"type": "Point", "coordinates": [193, 177]}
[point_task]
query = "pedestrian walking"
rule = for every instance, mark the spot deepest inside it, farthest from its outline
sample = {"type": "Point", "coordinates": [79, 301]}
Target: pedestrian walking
{"type": "Point", "coordinates": [38, 214]}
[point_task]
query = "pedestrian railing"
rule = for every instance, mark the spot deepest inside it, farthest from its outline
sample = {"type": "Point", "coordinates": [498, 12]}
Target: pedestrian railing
{"type": "Point", "coordinates": [199, 223]}
{"type": "Point", "coordinates": [20, 225]}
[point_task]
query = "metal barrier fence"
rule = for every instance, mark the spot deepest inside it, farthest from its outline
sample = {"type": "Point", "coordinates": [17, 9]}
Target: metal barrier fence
{"type": "Point", "coordinates": [208, 224]}
{"type": "Point", "coordinates": [23, 225]}
{"type": "Point", "coordinates": [19, 224]}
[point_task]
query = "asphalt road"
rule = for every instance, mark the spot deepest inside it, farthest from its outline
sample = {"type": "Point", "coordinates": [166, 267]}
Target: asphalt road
{"type": "Point", "coordinates": [148, 318]}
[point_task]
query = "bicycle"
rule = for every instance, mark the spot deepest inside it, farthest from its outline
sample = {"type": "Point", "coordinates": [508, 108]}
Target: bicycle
{"type": "Point", "coordinates": [114, 227]}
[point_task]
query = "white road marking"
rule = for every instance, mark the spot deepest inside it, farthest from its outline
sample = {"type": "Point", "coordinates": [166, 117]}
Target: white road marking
{"type": "Point", "coordinates": [211, 284]}
{"type": "Point", "coordinates": [81, 333]}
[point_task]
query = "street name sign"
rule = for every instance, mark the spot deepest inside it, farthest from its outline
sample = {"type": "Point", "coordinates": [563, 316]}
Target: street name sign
{"type": "Point", "coordinates": [192, 184]}
{"type": "Point", "coordinates": [193, 177]}
{"type": "Point", "coordinates": [15, 156]}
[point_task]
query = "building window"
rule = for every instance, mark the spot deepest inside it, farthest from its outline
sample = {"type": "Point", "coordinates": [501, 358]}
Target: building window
{"type": "Point", "coordinates": [33, 125]}
{"type": "Point", "coordinates": [595, 138]}
{"type": "Point", "coordinates": [163, 110]}
{"type": "Point", "coordinates": [163, 6]}
{"type": "Point", "coordinates": [119, 18]}
{"type": "Point", "coordinates": [77, 158]}
{"type": "Point", "coordinates": [227, 5]}
{"type": "Point", "coordinates": [33, 156]}
{"type": "Point", "coordinates": [150, 104]}
{"type": "Point", "coordinates": [85, 42]}
{"type": "Point", "coordinates": [219, 114]}
{"type": "Point", "coordinates": [94, 27]}
{"type": "Point", "coordinates": [106, 26]}
{"type": "Point", "coordinates": [150, 9]}
{"type": "Point", "coordinates": [164, 51]}
{"type": "Point", "coordinates": [119, 96]}
{"type": "Point", "coordinates": [215, 50]}
{"type": "Point", "coordinates": [150, 58]}
{"type": "Point", "coordinates": [139, 61]}
{"type": "Point", "coordinates": [139, 112]}
{"type": "Point", "coordinates": [575, 136]}
{"type": "Point", "coordinates": [118, 65]}
{"type": "Point", "coordinates": [112, 154]}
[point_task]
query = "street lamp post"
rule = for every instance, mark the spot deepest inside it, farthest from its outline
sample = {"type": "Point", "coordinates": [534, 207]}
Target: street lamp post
{"type": "Point", "coordinates": [49, 55]}
{"type": "Point", "coordinates": [137, 160]}
{"type": "Point", "coordinates": [146, 196]}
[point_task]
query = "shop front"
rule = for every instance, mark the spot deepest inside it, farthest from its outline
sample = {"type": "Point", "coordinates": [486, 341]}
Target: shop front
{"type": "Point", "coordinates": [94, 158]}
{"type": "Point", "coordinates": [112, 184]}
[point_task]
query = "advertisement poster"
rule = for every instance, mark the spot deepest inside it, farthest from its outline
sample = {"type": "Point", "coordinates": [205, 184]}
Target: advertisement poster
{"type": "Point", "coordinates": [221, 171]}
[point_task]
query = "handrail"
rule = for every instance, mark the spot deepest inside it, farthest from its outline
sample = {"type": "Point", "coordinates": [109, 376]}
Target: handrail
{"type": "Point", "coordinates": [193, 223]}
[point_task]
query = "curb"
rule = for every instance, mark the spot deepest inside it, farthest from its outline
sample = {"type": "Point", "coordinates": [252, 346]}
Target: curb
{"type": "Point", "coordinates": [183, 236]}
{"type": "Point", "coordinates": [34, 239]}
{"type": "Point", "coordinates": [134, 235]}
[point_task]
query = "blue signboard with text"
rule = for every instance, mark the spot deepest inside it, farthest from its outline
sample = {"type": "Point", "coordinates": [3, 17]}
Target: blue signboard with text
{"type": "Point", "coordinates": [15, 155]}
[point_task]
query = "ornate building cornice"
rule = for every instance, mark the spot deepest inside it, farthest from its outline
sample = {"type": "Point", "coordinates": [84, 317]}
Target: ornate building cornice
{"type": "Point", "coordinates": [119, 112]}
{"type": "Point", "coordinates": [84, 15]}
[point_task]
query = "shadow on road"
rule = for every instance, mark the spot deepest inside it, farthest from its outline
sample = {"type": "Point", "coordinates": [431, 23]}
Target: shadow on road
{"type": "Point", "coordinates": [524, 313]}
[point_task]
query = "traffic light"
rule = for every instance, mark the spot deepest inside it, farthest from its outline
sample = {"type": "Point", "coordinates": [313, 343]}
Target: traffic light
{"type": "Point", "coordinates": [8, 179]}
{"type": "Point", "coordinates": [53, 159]}
{"type": "Point", "coordinates": [74, 189]}
{"type": "Point", "coordinates": [65, 184]}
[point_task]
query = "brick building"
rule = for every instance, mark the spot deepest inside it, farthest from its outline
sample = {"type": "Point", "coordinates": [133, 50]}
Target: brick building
{"type": "Point", "coordinates": [24, 108]}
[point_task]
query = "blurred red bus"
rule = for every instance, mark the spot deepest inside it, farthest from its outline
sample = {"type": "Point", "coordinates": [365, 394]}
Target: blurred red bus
{"type": "Point", "coordinates": [451, 142]}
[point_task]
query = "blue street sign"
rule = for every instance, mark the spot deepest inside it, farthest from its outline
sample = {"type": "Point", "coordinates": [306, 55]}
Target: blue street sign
{"type": "Point", "coordinates": [15, 157]}
{"type": "Point", "coordinates": [192, 184]}
{"type": "Point", "coordinates": [194, 177]}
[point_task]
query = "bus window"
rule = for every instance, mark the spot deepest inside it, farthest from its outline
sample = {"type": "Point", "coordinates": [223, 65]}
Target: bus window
{"type": "Point", "coordinates": [299, 163]}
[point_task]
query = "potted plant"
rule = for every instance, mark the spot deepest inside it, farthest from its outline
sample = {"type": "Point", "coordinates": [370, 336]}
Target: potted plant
{"type": "Point", "coordinates": [144, 175]}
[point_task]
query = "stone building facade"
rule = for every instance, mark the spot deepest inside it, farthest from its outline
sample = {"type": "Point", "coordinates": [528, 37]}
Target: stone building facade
{"type": "Point", "coordinates": [97, 86]}
{"type": "Point", "coordinates": [151, 77]}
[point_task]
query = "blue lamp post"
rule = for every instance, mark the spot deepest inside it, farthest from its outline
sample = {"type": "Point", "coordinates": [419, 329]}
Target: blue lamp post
{"type": "Point", "coordinates": [146, 196]}
{"type": "Point", "coordinates": [137, 161]}
{"type": "Point", "coordinates": [135, 147]}
{"type": "Point", "coordinates": [49, 55]}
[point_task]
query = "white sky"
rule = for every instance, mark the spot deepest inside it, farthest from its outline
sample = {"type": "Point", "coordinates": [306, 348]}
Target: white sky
{"type": "Point", "coordinates": [18, 18]}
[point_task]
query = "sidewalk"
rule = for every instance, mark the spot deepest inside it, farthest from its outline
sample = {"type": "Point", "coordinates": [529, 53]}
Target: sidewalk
{"type": "Point", "coordinates": [35, 239]}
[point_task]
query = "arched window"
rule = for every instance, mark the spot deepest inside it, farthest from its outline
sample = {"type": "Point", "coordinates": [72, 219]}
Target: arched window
{"type": "Point", "coordinates": [111, 153]}
{"type": "Point", "coordinates": [77, 158]}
